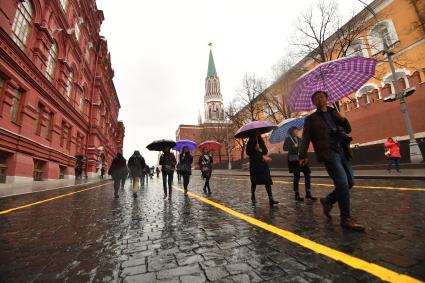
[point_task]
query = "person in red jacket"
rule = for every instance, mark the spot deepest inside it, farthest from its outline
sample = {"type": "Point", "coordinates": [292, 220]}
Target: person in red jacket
{"type": "Point", "coordinates": [392, 151]}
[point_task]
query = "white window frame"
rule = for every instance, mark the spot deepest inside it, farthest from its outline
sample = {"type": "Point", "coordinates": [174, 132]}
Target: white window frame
{"type": "Point", "coordinates": [64, 4]}
{"type": "Point", "coordinates": [364, 90]}
{"type": "Point", "coordinates": [401, 73]}
{"type": "Point", "coordinates": [22, 24]}
{"type": "Point", "coordinates": [69, 82]}
{"type": "Point", "coordinates": [351, 51]}
{"type": "Point", "coordinates": [51, 61]}
{"type": "Point", "coordinates": [81, 102]}
{"type": "Point", "coordinates": [374, 38]}
{"type": "Point", "coordinates": [77, 31]}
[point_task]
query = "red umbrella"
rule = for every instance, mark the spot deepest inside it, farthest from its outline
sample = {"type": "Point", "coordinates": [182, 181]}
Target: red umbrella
{"type": "Point", "coordinates": [210, 145]}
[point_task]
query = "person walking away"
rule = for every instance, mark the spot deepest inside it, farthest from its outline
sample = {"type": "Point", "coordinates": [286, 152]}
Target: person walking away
{"type": "Point", "coordinates": [157, 172]}
{"type": "Point", "coordinates": [118, 171]}
{"type": "Point", "coordinates": [124, 177]}
{"type": "Point", "coordinates": [178, 171]}
{"type": "Point", "coordinates": [258, 169]}
{"type": "Point", "coordinates": [186, 161]}
{"type": "Point", "coordinates": [205, 164]}
{"type": "Point", "coordinates": [168, 163]}
{"type": "Point", "coordinates": [102, 172]}
{"type": "Point", "coordinates": [392, 151]}
{"type": "Point", "coordinates": [78, 171]}
{"type": "Point", "coordinates": [146, 174]}
{"type": "Point", "coordinates": [291, 145]}
{"type": "Point", "coordinates": [328, 131]}
{"type": "Point", "coordinates": [136, 164]}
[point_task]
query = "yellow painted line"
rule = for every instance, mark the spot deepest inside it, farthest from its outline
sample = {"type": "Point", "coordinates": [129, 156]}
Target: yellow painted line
{"type": "Point", "coordinates": [357, 263]}
{"type": "Point", "coordinates": [331, 185]}
{"type": "Point", "coordinates": [50, 199]}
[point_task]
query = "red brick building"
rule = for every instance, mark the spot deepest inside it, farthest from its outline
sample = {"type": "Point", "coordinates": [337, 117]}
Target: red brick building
{"type": "Point", "coordinates": [58, 104]}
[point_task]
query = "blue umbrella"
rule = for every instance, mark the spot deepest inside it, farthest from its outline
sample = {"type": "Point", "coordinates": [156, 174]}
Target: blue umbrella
{"type": "Point", "coordinates": [281, 132]}
{"type": "Point", "coordinates": [182, 143]}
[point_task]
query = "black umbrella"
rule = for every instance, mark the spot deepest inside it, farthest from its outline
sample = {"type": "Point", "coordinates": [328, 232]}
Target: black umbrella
{"type": "Point", "coordinates": [159, 145]}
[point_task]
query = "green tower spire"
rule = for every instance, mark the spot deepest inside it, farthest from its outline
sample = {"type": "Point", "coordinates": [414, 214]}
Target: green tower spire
{"type": "Point", "coordinates": [211, 66]}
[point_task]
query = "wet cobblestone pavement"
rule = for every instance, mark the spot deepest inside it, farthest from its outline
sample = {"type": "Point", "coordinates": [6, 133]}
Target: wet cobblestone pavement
{"type": "Point", "coordinates": [92, 237]}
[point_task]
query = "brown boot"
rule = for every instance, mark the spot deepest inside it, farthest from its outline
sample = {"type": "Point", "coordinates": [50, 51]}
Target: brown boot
{"type": "Point", "coordinates": [350, 223]}
{"type": "Point", "coordinates": [327, 207]}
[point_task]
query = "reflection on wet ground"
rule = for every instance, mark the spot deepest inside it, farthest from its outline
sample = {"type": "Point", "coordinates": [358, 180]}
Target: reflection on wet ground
{"type": "Point", "coordinates": [91, 236]}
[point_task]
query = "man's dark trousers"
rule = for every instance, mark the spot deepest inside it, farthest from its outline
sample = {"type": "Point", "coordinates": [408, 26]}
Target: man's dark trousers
{"type": "Point", "coordinates": [341, 172]}
{"type": "Point", "coordinates": [169, 176]}
{"type": "Point", "coordinates": [117, 184]}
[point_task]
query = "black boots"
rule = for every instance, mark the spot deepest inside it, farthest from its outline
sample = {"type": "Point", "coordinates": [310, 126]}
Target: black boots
{"type": "Point", "coordinates": [307, 196]}
{"type": "Point", "coordinates": [269, 193]}
{"type": "Point", "coordinates": [310, 197]}
{"type": "Point", "coordinates": [297, 197]}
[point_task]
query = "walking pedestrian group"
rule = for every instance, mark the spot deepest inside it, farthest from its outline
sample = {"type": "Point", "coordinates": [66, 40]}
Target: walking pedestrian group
{"type": "Point", "coordinates": [325, 128]}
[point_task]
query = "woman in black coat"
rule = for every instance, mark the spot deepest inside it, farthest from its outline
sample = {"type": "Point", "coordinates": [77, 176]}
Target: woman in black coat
{"type": "Point", "coordinates": [258, 168]}
{"type": "Point", "coordinates": [186, 167]}
{"type": "Point", "coordinates": [118, 171]}
{"type": "Point", "coordinates": [292, 146]}
{"type": "Point", "coordinates": [205, 164]}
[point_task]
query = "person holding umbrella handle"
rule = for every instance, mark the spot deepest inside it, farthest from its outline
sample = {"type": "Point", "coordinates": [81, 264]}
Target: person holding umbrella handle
{"type": "Point", "coordinates": [168, 162]}
{"type": "Point", "coordinates": [205, 164]}
{"type": "Point", "coordinates": [258, 167]}
{"type": "Point", "coordinates": [185, 167]}
{"type": "Point", "coordinates": [291, 145]}
{"type": "Point", "coordinates": [328, 131]}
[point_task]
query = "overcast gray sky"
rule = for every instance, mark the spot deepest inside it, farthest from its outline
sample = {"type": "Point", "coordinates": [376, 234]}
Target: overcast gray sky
{"type": "Point", "coordinates": [159, 52]}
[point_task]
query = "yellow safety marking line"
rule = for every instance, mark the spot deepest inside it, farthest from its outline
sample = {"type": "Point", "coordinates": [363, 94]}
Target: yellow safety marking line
{"type": "Point", "coordinates": [357, 263]}
{"type": "Point", "coordinates": [50, 199]}
{"type": "Point", "coordinates": [331, 185]}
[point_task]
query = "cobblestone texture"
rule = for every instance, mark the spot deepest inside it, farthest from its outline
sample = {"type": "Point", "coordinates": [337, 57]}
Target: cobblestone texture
{"type": "Point", "coordinates": [91, 236]}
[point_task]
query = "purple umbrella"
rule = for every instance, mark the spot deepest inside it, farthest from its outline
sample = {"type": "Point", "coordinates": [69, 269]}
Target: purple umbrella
{"type": "Point", "coordinates": [338, 78]}
{"type": "Point", "coordinates": [255, 126]}
{"type": "Point", "coordinates": [182, 143]}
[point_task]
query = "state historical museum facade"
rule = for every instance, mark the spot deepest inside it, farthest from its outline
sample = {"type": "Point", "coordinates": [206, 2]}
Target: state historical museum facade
{"type": "Point", "coordinates": [58, 104]}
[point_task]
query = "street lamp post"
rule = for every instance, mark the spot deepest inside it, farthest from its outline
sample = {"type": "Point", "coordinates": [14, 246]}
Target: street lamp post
{"type": "Point", "coordinates": [415, 152]}
{"type": "Point", "coordinates": [229, 165]}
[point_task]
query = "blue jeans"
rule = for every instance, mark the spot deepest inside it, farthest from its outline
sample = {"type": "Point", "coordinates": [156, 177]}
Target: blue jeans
{"type": "Point", "coordinates": [341, 172]}
{"type": "Point", "coordinates": [394, 160]}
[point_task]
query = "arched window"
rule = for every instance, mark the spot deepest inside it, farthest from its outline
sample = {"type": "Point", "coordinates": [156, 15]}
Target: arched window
{"type": "Point", "coordinates": [364, 91]}
{"type": "Point", "coordinates": [69, 83]}
{"type": "Point", "coordinates": [64, 4]}
{"type": "Point", "coordinates": [77, 31]}
{"type": "Point", "coordinates": [357, 48]}
{"type": "Point", "coordinates": [383, 31]}
{"type": "Point", "coordinates": [389, 79]}
{"type": "Point", "coordinates": [51, 61]}
{"type": "Point", "coordinates": [22, 23]}
{"type": "Point", "coordinates": [81, 102]}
